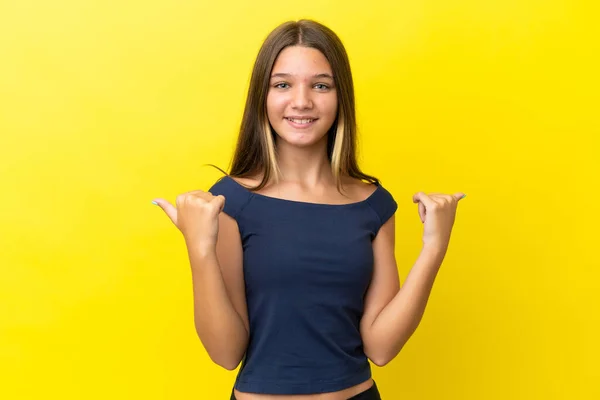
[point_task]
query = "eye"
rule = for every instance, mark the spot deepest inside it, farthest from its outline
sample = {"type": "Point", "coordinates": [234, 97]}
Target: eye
{"type": "Point", "coordinates": [280, 85]}
{"type": "Point", "coordinates": [321, 86]}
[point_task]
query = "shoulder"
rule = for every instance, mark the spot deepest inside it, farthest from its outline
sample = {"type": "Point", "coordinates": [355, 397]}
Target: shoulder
{"type": "Point", "coordinates": [235, 193]}
{"type": "Point", "coordinates": [377, 196]}
{"type": "Point", "coordinates": [248, 182]}
{"type": "Point", "coordinates": [357, 189]}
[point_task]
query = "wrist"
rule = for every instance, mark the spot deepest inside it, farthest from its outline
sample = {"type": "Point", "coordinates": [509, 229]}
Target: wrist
{"type": "Point", "coordinates": [435, 243]}
{"type": "Point", "coordinates": [434, 250]}
{"type": "Point", "coordinates": [202, 251]}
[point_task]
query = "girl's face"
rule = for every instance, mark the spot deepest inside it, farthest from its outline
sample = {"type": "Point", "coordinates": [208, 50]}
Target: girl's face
{"type": "Point", "coordinates": [302, 99]}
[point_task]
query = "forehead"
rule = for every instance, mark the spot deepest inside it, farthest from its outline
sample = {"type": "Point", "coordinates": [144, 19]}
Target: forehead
{"type": "Point", "coordinates": [299, 60]}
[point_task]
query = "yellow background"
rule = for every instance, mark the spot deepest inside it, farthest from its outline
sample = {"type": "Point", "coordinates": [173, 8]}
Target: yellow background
{"type": "Point", "coordinates": [105, 105]}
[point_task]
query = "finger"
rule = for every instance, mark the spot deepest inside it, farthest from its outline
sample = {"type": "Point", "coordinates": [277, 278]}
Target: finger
{"type": "Point", "coordinates": [422, 212]}
{"type": "Point", "coordinates": [459, 196]}
{"type": "Point", "coordinates": [219, 201]}
{"type": "Point", "coordinates": [422, 198]}
{"type": "Point", "coordinates": [206, 196]}
{"type": "Point", "coordinates": [168, 208]}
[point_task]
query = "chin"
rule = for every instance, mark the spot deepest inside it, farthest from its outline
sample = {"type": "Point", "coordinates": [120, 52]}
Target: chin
{"type": "Point", "coordinates": [302, 139]}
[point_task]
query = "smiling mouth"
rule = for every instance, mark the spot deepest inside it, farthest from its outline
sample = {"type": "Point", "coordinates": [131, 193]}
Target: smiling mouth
{"type": "Point", "coordinates": [301, 121]}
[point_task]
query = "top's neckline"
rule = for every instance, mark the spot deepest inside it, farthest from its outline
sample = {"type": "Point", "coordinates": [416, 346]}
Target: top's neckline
{"type": "Point", "coordinates": [307, 203]}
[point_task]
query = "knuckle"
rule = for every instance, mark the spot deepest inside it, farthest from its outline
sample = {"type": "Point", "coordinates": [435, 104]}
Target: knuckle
{"type": "Point", "coordinates": [206, 196]}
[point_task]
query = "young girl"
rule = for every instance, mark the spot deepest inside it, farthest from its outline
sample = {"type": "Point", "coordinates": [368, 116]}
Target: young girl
{"type": "Point", "coordinates": [292, 252]}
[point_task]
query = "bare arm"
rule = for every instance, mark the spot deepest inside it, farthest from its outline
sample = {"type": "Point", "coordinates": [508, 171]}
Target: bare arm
{"type": "Point", "coordinates": [220, 313]}
{"type": "Point", "coordinates": [215, 252]}
{"type": "Point", "coordinates": [392, 314]}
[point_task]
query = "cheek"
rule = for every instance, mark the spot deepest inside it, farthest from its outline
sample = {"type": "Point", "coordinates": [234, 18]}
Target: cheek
{"type": "Point", "coordinates": [329, 107]}
{"type": "Point", "coordinates": [275, 105]}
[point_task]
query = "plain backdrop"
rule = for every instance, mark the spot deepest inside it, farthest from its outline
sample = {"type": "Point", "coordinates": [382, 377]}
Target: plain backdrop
{"type": "Point", "coordinates": [105, 105]}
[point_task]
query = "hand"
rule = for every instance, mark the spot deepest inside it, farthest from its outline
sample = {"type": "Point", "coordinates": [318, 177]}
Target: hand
{"type": "Point", "coordinates": [437, 212]}
{"type": "Point", "coordinates": [196, 216]}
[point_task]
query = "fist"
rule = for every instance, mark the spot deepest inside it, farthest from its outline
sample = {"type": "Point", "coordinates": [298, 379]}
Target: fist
{"type": "Point", "coordinates": [196, 215]}
{"type": "Point", "coordinates": [437, 212]}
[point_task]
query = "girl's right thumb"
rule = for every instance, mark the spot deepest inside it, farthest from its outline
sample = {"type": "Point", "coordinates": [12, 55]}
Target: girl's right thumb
{"type": "Point", "coordinates": [168, 208]}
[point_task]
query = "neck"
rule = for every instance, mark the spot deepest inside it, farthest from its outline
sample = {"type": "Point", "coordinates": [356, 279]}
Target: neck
{"type": "Point", "coordinates": [304, 165]}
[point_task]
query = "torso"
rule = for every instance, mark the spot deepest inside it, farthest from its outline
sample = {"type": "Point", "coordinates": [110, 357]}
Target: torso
{"type": "Point", "coordinates": [354, 191]}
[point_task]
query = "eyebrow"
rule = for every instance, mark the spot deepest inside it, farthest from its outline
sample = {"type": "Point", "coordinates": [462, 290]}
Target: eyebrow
{"type": "Point", "coordinates": [284, 75]}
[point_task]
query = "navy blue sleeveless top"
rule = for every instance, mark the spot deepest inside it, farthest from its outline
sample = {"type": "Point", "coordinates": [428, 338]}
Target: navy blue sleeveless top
{"type": "Point", "coordinates": [307, 267]}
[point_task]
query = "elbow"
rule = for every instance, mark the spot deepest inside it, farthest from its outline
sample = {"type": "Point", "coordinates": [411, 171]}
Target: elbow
{"type": "Point", "coordinates": [382, 358]}
{"type": "Point", "coordinates": [229, 366]}
{"type": "Point", "coordinates": [229, 363]}
{"type": "Point", "coordinates": [225, 355]}
{"type": "Point", "coordinates": [380, 361]}
{"type": "Point", "coordinates": [376, 355]}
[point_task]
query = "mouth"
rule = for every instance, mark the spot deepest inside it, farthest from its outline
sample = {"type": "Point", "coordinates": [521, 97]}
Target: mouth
{"type": "Point", "coordinates": [301, 122]}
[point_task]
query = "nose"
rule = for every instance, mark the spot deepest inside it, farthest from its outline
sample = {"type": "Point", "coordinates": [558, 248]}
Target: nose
{"type": "Point", "coordinates": [302, 98]}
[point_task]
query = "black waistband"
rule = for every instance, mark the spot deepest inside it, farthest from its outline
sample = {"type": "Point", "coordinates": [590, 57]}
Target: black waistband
{"type": "Point", "coordinates": [371, 393]}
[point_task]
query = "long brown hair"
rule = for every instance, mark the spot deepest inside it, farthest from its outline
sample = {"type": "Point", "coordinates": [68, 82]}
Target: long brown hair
{"type": "Point", "coordinates": [255, 152]}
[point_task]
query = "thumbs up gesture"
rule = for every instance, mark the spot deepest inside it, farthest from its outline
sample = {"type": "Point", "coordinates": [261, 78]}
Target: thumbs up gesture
{"type": "Point", "coordinates": [437, 211]}
{"type": "Point", "coordinates": [196, 215]}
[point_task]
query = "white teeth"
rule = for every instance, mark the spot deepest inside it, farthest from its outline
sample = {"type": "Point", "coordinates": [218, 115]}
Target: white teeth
{"type": "Point", "coordinates": [301, 121]}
